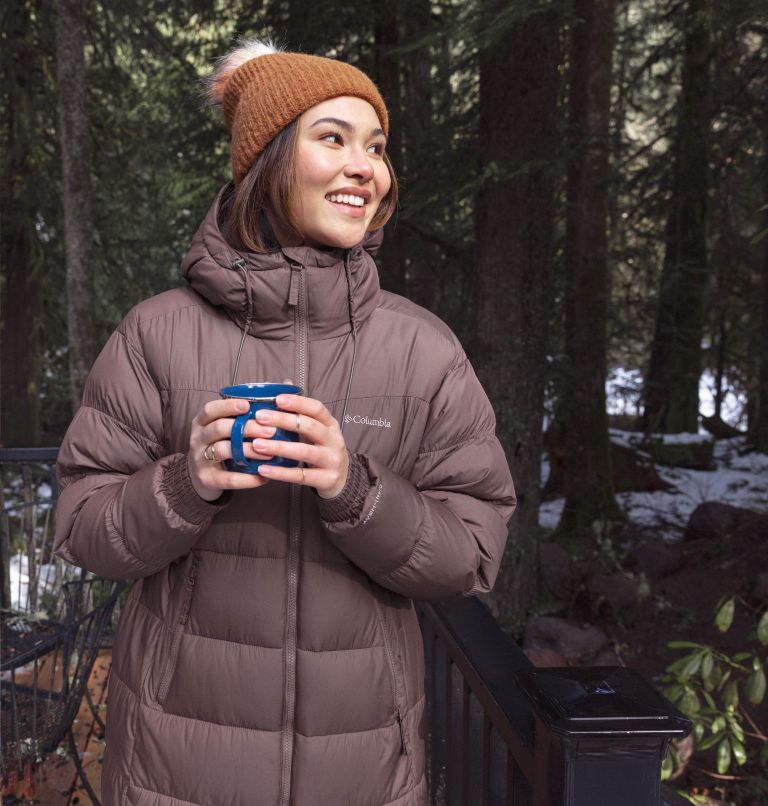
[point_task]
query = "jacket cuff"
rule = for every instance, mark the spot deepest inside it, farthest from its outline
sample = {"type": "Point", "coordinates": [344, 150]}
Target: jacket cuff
{"type": "Point", "coordinates": [183, 498]}
{"type": "Point", "coordinates": [348, 504]}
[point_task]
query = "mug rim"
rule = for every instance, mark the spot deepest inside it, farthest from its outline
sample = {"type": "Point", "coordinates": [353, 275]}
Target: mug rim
{"type": "Point", "coordinates": [285, 389]}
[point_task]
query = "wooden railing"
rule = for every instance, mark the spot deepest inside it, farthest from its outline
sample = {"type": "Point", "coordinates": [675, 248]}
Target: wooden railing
{"type": "Point", "coordinates": [505, 734]}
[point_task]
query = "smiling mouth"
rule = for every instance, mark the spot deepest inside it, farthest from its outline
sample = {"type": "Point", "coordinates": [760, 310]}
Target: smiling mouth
{"type": "Point", "coordinates": [346, 198]}
{"type": "Point", "coordinates": [354, 208]}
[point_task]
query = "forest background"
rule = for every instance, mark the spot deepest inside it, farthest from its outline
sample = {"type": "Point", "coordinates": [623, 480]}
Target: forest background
{"type": "Point", "coordinates": [584, 199]}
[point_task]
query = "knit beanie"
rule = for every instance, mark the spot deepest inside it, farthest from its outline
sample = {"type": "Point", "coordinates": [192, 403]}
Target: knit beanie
{"type": "Point", "coordinates": [261, 90]}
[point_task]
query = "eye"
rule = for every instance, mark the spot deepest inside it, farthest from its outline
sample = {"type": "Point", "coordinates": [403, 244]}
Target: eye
{"type": "Point", "coordinates": [333, 137]}
{"type": "Point", "coordinates": [377, 148]}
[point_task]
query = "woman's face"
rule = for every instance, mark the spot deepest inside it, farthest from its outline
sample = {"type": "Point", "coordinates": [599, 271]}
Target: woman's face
{"type": "Point", "coordinates": [341, 176]}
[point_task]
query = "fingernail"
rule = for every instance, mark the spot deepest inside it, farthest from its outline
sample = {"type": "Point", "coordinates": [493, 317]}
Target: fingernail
{"type": "Point", "coordinates": [265, 470]}
{"type": "Point", "coordinates": [261, 444]}
{"type": "Point", "coordinates": [263, 415]}
{"type": "Point", "coordinates": [268, 431]}
{"type": "Point", "coordinates": [284, 400]}
{"type": "Point", "coordinates": [241, 405]}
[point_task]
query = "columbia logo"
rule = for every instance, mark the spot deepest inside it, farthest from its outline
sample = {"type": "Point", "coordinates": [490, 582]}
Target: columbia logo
{"type": "Point", "coordinates": [358, 419]}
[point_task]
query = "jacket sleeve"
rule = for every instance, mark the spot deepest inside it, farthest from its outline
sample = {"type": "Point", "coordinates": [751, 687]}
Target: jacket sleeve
{"type": "Point", "coordinates": [440, 534]}
{"type": "Point", "coordinates": [125, 509]}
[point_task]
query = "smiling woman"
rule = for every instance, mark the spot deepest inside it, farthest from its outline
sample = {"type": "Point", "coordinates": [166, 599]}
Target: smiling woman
{"type": "Point", "coordinates": [270, 653]}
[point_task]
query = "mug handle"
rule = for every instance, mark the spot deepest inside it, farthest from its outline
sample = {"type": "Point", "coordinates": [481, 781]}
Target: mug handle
{"type": "Point", "coordinates": [238, 455]}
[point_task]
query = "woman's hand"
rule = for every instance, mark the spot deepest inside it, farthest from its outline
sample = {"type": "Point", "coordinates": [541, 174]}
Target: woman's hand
{"type": "Point", "coordinates": [324, 452]}
{"type": "Point", "coordinates": [211, 430]}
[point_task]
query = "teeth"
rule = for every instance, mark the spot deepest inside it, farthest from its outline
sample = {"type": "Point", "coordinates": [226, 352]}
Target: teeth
{"type": "Point", "coordinates": [345, 198]}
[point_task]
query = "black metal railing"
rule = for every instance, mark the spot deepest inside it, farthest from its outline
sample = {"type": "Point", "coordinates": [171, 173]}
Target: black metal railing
{"type": "Point", "coordinates": [505, 734]}
{"type": "Point", "coordinates": [45, 665]}
{"type": "Point", "coordinates": [28, 491]}
{"type": "Point", "coordinates": [53, 619]}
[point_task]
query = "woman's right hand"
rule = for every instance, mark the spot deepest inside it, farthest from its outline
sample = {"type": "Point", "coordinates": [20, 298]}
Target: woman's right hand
{"type": "Point", "coordinates": [213, 426]}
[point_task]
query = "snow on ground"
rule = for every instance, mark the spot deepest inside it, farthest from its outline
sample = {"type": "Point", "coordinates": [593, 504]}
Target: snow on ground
{"type": "Point", "coordinates": [738, 480]}
{"type": "Point", "coordinates": [549, 512]}
{"type": "Point", "coordinates": [624, 392]}
{"type": "Point", "coordinates": [46, 580]}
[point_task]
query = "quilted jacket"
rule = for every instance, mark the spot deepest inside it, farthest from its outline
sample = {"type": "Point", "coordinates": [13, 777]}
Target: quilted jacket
{"type": "Point", "coordinates": [269, 652]}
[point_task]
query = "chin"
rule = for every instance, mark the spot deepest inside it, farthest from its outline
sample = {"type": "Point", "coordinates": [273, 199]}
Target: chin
{"type": "Point", "coordinates": [338, 240]}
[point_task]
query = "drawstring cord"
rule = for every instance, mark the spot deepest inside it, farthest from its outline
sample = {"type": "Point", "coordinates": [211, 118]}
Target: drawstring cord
{"type": "Point", "coordinates": [239, 265]}
{"type": "Point", "coordinates": [353, 324]}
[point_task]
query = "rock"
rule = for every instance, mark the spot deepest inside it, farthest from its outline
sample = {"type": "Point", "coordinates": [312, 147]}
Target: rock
{"type": "Point", "coordinates": [760, 590]}
{"type": "Point", "coordinates": [545, 658]}
{"type": "Point", "coordinates": [569, 640]}
{"type": "Point", "coordinates": [606, 658]}
{"type": "Point", "coordinates": [713, 520]}
{"type": "Point", "coordinates": [555, 569]}
{"type": "Point", "coordinates": [720, 429]}
{"type": "Point", "coordinates": [681, 450]}
{"type": "Point", "coordinates": [634, 472]}
{"type": "Point", "coordinates": [625, 422]}
{"type": "Point", "coordinates": [617, 590]}
{"type": "Point", "coordinates": [656, 560]}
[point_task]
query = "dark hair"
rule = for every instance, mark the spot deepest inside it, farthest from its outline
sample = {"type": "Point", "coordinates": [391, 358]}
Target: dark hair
{"type": "Point", "coordinates": [269, 186]}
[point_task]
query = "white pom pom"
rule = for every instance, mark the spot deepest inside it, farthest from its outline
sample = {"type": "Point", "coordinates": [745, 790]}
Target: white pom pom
{"type": "Point", "coordinates": [246, 50]}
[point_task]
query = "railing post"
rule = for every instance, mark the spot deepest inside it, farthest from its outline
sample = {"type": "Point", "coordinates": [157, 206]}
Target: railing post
{"type": "Point", "coordinates": [601, 735]}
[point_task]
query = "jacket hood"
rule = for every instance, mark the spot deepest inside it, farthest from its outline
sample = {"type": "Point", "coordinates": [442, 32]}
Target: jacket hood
{"type": "Point", "coordinates": [227, 278]}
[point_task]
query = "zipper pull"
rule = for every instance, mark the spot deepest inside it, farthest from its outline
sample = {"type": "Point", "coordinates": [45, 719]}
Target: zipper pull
{"type": "Point", "coordinates": [403, 750]}
{"type": "Point", "coordinates": [293, 290]}
{"type": "Point", "coordinates": [238, 264]}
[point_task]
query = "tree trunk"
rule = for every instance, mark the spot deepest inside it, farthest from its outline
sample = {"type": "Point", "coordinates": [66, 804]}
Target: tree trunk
{"type": "Point", "coordinates": [76, 191]}
{"type": "Point", "coordinates": [760, 430]}
{"type": "Point", "coordinates": [387, 74]}
{"type": "Point", "coordinates": [20, 256]}
{"type": "Point", "coordinates": [672, 382]}
{"type": "Point", "coordinates": [588, 479]}
{"type": "Point", "coordinates": [518, 135]}
{"type": "Point", "coordinates": [422, 260]}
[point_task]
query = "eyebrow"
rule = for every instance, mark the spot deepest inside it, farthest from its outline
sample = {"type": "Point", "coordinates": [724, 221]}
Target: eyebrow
{"type": "Point", "coordinates": [343, 124]}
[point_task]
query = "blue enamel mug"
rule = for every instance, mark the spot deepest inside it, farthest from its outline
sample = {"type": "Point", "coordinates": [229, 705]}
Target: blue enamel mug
{"type": "Point", "coordinates": [260, 396]}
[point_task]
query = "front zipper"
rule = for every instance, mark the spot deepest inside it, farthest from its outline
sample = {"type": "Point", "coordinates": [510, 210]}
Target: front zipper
{"type": "Point", "coordinates": [173, 651]}
{"type": "Point", "coordinates": [298, 300]}
{"type": "Point", "coordinates": [393, 675]}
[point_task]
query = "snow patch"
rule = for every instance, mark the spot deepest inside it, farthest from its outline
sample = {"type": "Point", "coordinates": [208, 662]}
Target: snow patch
{"type": "Point", "coordinates": [47, 576]}
{"type": "Point", "coordinates": [739, 479]}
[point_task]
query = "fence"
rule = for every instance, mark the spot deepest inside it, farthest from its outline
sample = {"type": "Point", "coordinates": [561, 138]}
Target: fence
{"type": "Point", "coordinates": [505, 734]}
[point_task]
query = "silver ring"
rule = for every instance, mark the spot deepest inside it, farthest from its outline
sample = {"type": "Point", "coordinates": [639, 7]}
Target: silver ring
{"type": "Point", "coordinates": [298, 424]}
{"type": "Point", "coordinates": [209, 454]}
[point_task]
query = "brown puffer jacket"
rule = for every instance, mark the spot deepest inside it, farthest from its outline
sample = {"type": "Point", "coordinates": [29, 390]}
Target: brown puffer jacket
{"type": "Point", "coordinates": [265, 655]}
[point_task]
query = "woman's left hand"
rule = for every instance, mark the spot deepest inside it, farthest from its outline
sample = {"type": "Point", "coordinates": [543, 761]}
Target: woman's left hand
{"type": "Point", "coordinates": [324, 453]}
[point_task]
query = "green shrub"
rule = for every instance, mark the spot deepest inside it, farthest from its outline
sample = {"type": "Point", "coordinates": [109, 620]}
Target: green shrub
{"type": "Point", "coordinates": [711, 688]}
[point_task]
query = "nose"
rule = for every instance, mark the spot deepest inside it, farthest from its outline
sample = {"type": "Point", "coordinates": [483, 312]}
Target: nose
{"type": "Point", "coordinates": [359, 166]}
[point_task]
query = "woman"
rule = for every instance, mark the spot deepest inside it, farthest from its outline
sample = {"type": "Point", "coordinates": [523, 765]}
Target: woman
{"type": "Point", "coordinates": [269, 652]}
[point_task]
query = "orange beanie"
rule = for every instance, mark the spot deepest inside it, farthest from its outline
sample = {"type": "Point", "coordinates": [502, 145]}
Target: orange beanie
{"type": "Point", "coordinates": [268, 89]}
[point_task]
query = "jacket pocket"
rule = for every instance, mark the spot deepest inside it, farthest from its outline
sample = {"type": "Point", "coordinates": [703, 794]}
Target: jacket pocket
{"type": "Point", "coordinates": [178, 621]}
{"type": "Point", "coordinates": [395, 677]}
